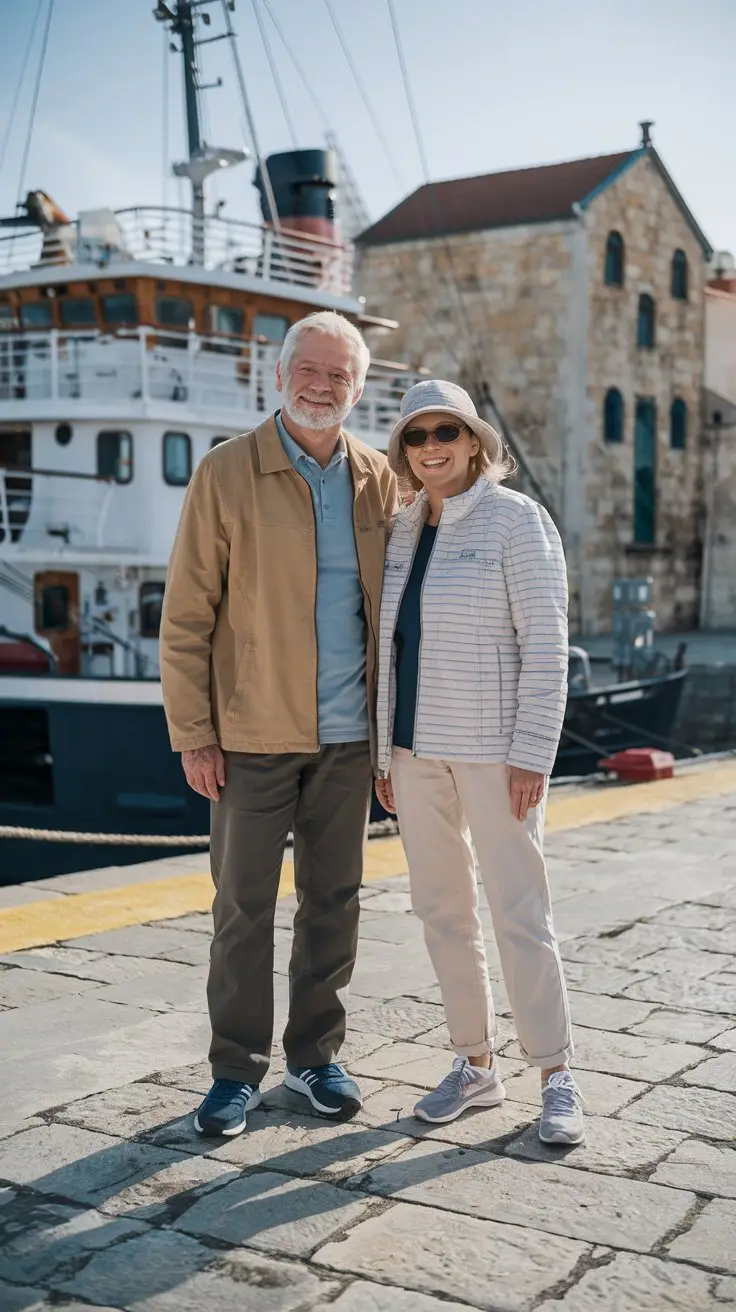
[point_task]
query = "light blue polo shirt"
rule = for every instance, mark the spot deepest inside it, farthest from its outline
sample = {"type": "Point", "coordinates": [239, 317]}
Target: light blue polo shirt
{"type": "Point", "coordinates": [340, 615]}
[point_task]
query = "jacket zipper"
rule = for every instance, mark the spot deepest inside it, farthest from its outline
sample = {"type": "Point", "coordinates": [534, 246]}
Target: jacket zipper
{"type": "Point", "coordinates": [305, 485]}
{"type": "Point", "coordinates": [421, 633]}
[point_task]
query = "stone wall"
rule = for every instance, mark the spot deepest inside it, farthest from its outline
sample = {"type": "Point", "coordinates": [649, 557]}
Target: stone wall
{"type": "Point", "coordinates": [526, 309]}
{"type": "Point", "coordinates": [639, 205]}
{"type": "Point", "coordinates": [490, 307]}
{"type": "Point", "coordinates": [718, 608]}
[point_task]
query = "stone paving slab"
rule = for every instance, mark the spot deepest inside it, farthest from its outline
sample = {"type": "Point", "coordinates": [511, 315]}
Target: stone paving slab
{"type": "Point", "coordinates": [717, 1073]}
{"type": "Point", "coordinates": [109, 1200]}
{"type": "Point", "coordinates": [612, 1147]}
{"type": "Point", "coordinates": [274, 1213]}
{"type": "Point", "coordinates": [710, 1241]}
{"type": "Point", "coordinates": [704, 1112]}
{"type": "Point", "coordinates": [705, 1167]}
{"type": "Point", "coordinates": [165, 1271]}
{"type": "Point", "coordinates": [484, 1264]}
{"type": "Point", "coordinates": [363, 1296]}
{"type": "Point", "coordinates": [602, 1209]}
{"type": "Point", "coordinates": [644, 1284]}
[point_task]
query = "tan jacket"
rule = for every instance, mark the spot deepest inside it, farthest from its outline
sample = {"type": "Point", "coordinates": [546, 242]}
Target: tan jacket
{"type": "Point", "coordinates": [238, 637]}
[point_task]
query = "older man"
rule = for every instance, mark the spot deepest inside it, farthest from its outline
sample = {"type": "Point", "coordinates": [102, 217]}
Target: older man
{"type": "Point", "coordinates": [268, 664]}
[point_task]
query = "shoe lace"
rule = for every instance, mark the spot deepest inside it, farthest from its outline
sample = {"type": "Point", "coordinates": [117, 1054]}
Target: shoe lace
{"type": "Point", "coordinates": [457, 1078]}
{"type": "Point", "coordinates": [561, 1094]}
{"type": "Point", "coordinates": [225, 1090]}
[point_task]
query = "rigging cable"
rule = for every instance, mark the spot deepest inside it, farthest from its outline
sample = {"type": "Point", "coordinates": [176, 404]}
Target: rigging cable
{"type": "Point", "coordinates": [475, 358]}
{"type": "Point", "coordinates": [165, 124]}
{"type": "Point", "coordinates": [268, 189]}
{"type": "Point", "coordinates": [297, 65]}
{"type": "Point", "coordinates": [19, 87]}
{"type": "Point", "coordinates": [275, 75]}
{"type": "Point", "coordinates": [364, 95]}
{"type": "Point", "coordinates": [34, 102]}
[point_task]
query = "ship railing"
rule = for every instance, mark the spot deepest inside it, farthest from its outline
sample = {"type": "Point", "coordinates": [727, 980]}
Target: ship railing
{"type": "Point", "coordinates": [51, 508]}
{"type": "Point", "coordinates": [227, 376]}
{"type": "Point", "coordinates": [169, 235]}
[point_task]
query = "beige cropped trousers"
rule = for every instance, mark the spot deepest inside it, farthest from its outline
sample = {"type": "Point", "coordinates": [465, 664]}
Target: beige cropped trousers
{"type": "Point", "coordinates": [440, 805]}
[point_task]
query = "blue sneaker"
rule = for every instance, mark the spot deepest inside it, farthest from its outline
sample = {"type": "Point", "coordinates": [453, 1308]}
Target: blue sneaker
{"type": "Point", "coordinates": [329, 1088]}
{"type": "Point", "coordinates": [223, 1110]}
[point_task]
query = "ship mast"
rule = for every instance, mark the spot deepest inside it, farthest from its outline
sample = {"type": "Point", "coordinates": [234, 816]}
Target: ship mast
{"type": "Point", "coordinates": [203, 159]}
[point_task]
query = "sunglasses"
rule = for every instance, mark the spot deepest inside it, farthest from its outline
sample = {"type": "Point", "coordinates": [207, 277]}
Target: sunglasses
{"type": "Point", "coordinates": [442, 433]}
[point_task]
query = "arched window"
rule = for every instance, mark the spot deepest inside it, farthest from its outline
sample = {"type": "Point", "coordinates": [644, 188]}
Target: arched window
{"type": "Point", "coordinates": [645, 324]}
{"type": "Point", "coordinates": [613, 416]}
{"type": "Point", "coordinates": [679, 276]}
{"type": "Point", "coordinates": [615, 260]}
{"type": "Point", "coordinates": [678, 424]}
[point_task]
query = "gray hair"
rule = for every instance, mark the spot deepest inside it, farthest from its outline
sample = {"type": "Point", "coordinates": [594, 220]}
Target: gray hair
{"type": "Point", "coordinates": [333, 325]}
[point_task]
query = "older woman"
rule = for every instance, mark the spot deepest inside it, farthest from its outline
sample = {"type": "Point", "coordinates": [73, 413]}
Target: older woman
{"type": "Point", "coordinates": [471, 695]}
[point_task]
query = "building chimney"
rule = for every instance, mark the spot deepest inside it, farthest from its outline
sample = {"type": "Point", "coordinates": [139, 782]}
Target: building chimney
{"type": "Point", "coordinates": [646, 136]}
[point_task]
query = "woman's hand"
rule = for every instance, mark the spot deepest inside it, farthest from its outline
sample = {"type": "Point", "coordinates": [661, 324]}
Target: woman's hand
{"type": "Point", "coordinates": [526, 789]}
{"type": "Point", "coordinates": [385, 795]}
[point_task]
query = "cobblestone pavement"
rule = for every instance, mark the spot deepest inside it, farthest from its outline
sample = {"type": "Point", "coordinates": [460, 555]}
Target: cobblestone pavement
{"type": "Point", "coordinates": [109, 1200]}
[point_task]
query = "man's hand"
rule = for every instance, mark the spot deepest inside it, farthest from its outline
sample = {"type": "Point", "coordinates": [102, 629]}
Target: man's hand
{"type": "Point", "coordinates": [204, 768]}
{"type": "Point", "coordinates": [526, 789]}
{"type": "Point", "coordinates": [385, 794]}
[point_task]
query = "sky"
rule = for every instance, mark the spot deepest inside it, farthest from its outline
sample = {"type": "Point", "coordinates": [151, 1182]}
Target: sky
{"type": "Point", "coordinates": [497, 85]}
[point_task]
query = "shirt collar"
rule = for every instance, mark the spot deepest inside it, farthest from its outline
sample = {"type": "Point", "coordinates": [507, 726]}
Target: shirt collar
{"type": "Point", "coordinates": [295, 452]}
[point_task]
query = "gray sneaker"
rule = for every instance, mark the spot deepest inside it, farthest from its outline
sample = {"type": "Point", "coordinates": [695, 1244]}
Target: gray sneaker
{"type": "Point", "coordinates": [562, 1110]}
{"type": "Point", "coordinates": [463, 1086]}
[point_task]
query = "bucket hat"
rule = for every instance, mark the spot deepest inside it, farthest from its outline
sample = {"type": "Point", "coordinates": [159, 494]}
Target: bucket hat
{"type": "Point", "coordinates": [434, 394]}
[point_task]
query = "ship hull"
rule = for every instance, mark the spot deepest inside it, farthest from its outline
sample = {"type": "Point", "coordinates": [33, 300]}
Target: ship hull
{"type": "Point", "coordinates": [93, 756]}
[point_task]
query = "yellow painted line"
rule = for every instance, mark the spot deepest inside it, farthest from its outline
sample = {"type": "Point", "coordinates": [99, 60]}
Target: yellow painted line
{"type": "Point", "coordinates": [57, 919]}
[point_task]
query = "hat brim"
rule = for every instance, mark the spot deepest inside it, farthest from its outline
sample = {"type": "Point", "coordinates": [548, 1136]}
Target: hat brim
{"type": "Point", "coordinates": [486, 432]}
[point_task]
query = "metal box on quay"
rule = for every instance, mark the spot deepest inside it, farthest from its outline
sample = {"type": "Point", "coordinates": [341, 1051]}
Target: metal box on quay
{"type": "Point", "coordinates": [632, 623]}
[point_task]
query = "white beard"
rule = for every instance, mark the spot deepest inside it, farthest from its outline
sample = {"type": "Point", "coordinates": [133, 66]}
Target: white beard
{"type": "Point", "coordinates": [318, 419]}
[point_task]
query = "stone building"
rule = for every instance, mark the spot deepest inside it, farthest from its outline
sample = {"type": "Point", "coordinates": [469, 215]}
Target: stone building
{"type": "Point", "coordinates": [718, 591]}
{"type": "Point", "coordinates": [571, 297]}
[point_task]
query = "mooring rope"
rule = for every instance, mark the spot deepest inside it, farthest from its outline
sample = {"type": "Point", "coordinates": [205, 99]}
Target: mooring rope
{"type": "Point", "coordinates": [379, 829]}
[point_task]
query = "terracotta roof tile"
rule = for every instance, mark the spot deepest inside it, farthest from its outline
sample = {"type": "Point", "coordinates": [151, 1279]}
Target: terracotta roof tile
{"type": "Point", "coordinates": [494, 200]}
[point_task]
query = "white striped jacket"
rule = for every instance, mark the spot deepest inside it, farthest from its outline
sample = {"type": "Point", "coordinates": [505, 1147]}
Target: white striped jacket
{"type": "Point", "coordinates": [493, 658]}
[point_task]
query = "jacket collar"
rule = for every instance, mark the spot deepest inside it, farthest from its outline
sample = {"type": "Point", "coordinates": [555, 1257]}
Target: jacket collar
{"type": "Point", "coordinates": [454, 509]}
{"type": "Point", "coordinates": [272, 457]}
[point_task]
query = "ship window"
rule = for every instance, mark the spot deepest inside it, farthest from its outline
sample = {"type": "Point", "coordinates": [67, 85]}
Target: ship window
{"type": "Point", "coordinates": [217, 440]}
{"type": "Point", "coordinates": [77, 310]}
{"type": "Point", "coordinates": [120, 309]}
{"type": "Point", "coordinates": [150, 602]}
{"type": "Point", "coordinates": [177, 459]}
{"type": "Point", "coordinates": [272, 327]}
{"type": "Point", "coordinates": [227, 320]}
{"type": "Point", "coordinates": [53, 608]}
{"type": "Point", "coordinates": [174, 311]}
{"type": "Point", "coordinates": [8, 317]}
{"type": "Point", "coordinates": [115, 456]}
{"type": "Point", "coordinates": [36, 314]}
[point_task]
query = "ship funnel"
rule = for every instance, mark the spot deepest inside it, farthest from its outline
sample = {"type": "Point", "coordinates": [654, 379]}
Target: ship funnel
{"type": "Point", "coordinates": [304, 183]}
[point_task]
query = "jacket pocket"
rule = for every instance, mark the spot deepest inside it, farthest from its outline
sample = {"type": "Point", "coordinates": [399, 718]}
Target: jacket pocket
{"type": "Point", "coordinates": [244, 667]}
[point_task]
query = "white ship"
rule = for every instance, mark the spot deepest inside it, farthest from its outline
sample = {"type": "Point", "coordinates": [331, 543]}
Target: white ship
{"type": "Point", "coordinates": [130, 343]}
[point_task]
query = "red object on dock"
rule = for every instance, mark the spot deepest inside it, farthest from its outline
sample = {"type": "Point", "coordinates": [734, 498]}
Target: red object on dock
{"type": "Point", "coordinates": [640, 764]}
